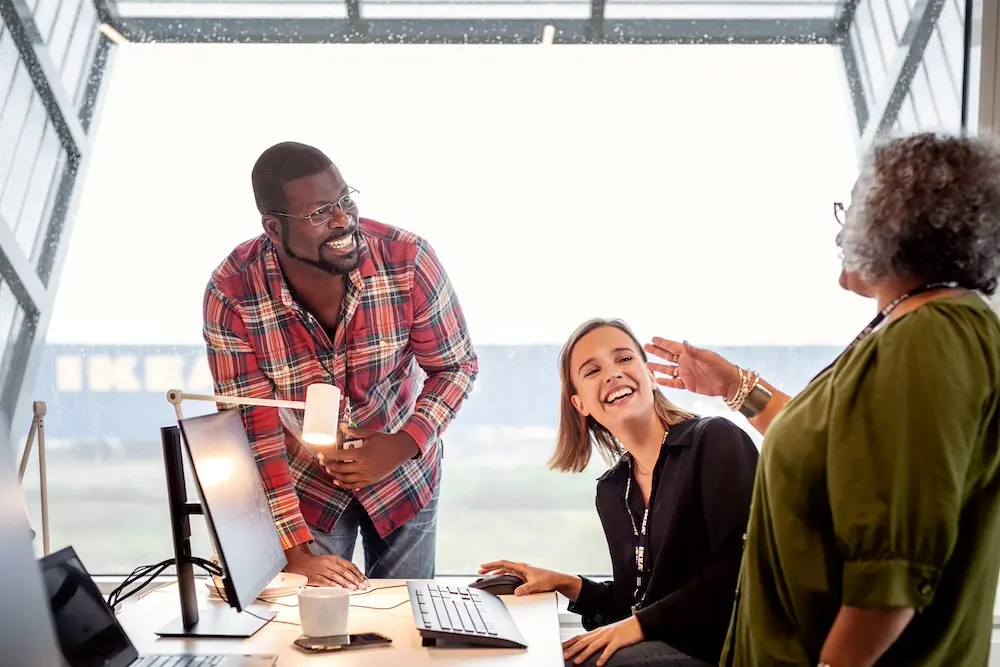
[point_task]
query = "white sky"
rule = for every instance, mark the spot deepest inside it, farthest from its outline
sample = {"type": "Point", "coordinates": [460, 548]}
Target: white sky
{"type": "Point", "coordinates": [687, 189]}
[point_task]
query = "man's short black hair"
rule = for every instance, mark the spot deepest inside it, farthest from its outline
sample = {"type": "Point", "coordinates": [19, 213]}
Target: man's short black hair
{"type": "Point", "coordinates": [280, 164]}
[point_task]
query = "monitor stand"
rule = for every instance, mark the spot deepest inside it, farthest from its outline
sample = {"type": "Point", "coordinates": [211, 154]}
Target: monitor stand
{"type": "Point", "coordinates": [215, 620]}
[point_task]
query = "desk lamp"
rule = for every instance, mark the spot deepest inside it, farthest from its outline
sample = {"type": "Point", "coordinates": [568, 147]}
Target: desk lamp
{"type": "Point", "coordinates": [322, 406]}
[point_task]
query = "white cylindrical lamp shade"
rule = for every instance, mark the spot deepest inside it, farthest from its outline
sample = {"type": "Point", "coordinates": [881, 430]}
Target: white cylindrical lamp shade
{"type": "Point", "coordinates": [319, 426]}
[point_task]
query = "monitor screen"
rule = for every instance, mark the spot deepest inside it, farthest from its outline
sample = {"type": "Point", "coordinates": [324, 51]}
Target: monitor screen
{"type": "Point", "coordinates": [26, 631]}
{"type": "Point", "coordinates": [89, 633]}
{"type": "Point", "coordinates": [236, 509]}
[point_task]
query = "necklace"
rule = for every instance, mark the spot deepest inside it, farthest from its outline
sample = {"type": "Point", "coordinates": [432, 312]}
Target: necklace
{"type": "Point", "coordinates": [884, 313]}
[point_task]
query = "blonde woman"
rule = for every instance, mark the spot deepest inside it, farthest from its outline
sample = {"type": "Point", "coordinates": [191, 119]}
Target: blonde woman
{"type": "Point", "coordinates": [674, 507]}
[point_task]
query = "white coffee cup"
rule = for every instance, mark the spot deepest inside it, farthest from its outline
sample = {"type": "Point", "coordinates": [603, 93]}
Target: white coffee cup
{"type": "Point", "coordinates": [323, 611]}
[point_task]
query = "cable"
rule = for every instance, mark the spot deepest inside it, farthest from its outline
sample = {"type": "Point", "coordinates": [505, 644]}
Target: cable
{"type": "Point", "coordinates": [365, 606]}
{"type": "Point", "coordinates": [378, 588]}
{"type": "Point", "coordinates": [359, 606]}
{"type": "Point", "coordinates": [151, 572]}
{"type": "Point", "coordinates": [247, 611]}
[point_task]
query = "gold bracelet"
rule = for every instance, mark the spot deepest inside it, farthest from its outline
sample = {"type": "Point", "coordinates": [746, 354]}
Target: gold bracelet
{"type": "Point", "coordinates": [756, 401]}
{"type": "Point", "coordinates": [746, 383]}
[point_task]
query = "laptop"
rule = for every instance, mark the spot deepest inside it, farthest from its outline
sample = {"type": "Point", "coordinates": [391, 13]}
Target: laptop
{"type": "Point", "coordinates": [90, 635]}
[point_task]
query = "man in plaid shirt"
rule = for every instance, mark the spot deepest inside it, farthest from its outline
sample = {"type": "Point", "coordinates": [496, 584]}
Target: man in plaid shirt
{"type": "Point", "coordinates": [324, 296]}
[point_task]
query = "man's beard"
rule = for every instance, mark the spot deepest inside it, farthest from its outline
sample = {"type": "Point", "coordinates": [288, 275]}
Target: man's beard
{"type": "Point", "coordinates": [339, 266]}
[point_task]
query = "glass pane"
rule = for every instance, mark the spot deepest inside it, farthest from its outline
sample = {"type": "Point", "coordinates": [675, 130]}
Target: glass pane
{"type": "Point", "coordinates": [875, 52]}
{"type": "Point", "coordinates": [74, 68]}
{"type": "Point", "coordinates": [233, 9]}
{"type": "Point", "coordinates": [908, 121]}
{"type": "Point", "coordinates": [864, 66]}
{"type": "Point", "coordinates": [35, 203]}
{"type": "Point", "coordinates": [12, 194]}
{"type": "Point", "coordinates": [9, 61]}
{"type": "Point", "coordinates": [52, 192]}
{"type": "Point", "coordinates": [923, 101]}
{"type": "Point", "coordinates": [664, 111]}
{"type": "Point", "coordinates": [933, 101]}
{"type": "Point", "coordinates": [712, 9]}
{"type": "Point", "coordinates": [45, 17]}
{"type": "Point", "coordinates": [63, 30]}
{"type": "Point", "coordinates": [81, 55]}
{"type": "Point", "coordinates": [950, 34]}
{"type": "Point", "coordinates": [940, 79]}
{"type": "Point", "coordinates": [899, 12]}
{"type": "Point", "coordinates": [15, 113]}
{"type": "Point", "coordinates": [884, 29]}
{"type": "Point", "coordinates": [475, 9]}
{"type": "Point", "coordinates": [8, 309]}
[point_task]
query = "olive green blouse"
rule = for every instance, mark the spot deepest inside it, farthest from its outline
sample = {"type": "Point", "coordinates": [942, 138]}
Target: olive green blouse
{"type": "Point", "coordinates": [879, 486]}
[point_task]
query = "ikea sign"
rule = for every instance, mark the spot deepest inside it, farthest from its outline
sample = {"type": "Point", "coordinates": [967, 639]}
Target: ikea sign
{"type": "Point", "coordinates": [131, 373]}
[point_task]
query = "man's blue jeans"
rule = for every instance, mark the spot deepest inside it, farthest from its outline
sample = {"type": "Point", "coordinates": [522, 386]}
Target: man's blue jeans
{"type": "Point", "coordinates": [406, 553]}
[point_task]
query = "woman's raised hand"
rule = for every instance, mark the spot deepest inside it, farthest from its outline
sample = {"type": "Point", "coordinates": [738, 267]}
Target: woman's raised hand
{"type": "Point", "coordinates": [692, 368]}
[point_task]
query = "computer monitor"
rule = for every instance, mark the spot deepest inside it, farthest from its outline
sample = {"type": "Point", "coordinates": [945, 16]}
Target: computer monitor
{"type": "Point", "coordinates": [26, 630]}
{"type": "Point", "coordinates": [238, 517]}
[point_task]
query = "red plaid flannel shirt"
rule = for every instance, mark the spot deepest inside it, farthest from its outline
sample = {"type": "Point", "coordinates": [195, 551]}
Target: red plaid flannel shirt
{"type": "Point", "coordinates": [402, 316]}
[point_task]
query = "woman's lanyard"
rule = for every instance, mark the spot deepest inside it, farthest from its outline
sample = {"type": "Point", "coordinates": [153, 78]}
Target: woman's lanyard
{"type": "Point", "coordinates": [639, 536]}
{"type": "Point", "coordinates": [884, 313]}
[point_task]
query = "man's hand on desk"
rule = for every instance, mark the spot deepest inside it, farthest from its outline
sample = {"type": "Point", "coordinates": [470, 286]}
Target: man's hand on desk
{"type": "Point", "coordinates": [324, 570]}
{"type": "Point", "coordinates": [377, 458]}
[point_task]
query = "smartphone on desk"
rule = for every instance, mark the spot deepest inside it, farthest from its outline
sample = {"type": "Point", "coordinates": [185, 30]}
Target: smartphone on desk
{"type": "Point", "coordinates": [341, 642]}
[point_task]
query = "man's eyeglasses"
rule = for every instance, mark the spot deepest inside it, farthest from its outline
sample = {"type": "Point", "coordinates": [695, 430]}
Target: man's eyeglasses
{"type": "Point", "coordinates": [840, 213]}
{"type": "Point", "coordinates": [324, 213]}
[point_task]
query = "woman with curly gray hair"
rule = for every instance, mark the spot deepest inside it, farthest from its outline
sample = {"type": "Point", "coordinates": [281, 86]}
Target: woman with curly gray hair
{"type": "Point", "coordinates": [874, 532]}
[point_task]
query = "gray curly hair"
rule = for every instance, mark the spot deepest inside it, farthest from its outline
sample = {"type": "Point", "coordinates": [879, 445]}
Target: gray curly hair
{"type": "Point", "coordinates": [927, 206]}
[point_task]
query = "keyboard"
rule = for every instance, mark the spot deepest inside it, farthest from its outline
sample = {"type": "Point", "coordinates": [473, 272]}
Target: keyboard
{"type": "Point", "coordinates": [179, 661]}
{"type": "Point", "coordinates": [462, 615]}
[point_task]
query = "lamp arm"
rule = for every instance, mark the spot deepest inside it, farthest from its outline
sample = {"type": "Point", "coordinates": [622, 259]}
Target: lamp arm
{"type": "Point", "coordinates": [175, 396]}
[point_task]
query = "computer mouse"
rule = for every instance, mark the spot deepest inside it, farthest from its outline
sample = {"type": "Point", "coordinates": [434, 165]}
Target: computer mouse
{"type": "Point", "coordinates": [498, 584]}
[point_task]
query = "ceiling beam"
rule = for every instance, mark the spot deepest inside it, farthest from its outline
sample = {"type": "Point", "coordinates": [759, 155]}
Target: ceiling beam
{"type": "Point", "coordinates": [475, 31]}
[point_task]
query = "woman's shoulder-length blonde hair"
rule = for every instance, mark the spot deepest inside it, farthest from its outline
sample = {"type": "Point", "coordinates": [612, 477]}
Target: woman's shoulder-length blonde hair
{"type": "Point", "coordinates": [579, 435]}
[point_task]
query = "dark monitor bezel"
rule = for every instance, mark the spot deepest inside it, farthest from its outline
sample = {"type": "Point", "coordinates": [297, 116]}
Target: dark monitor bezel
{"type": "Point", "coordinates": [231, 595]}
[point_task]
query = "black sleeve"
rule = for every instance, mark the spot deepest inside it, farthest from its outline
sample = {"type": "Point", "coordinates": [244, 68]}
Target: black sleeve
{"type": "Point", "coordinates": [727, 468]}
{"type": "Point", "coordinates": [595, 603]}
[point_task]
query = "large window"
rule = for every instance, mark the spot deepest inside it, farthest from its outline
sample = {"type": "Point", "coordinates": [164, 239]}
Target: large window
{"type": "Point", "coordinates": [685, 188]}
{"type": "Point", "coordinates": [698, 207]}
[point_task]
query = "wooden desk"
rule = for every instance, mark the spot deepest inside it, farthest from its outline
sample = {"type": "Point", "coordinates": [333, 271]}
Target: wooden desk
{"type": "Point", "coordinates": [535, 615]}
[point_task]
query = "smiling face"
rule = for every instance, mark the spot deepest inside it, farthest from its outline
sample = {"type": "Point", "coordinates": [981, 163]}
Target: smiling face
{"type": "Point", "coordinates": [330, 246]}
{"type": "Point", "coordinates": [610, 379]}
